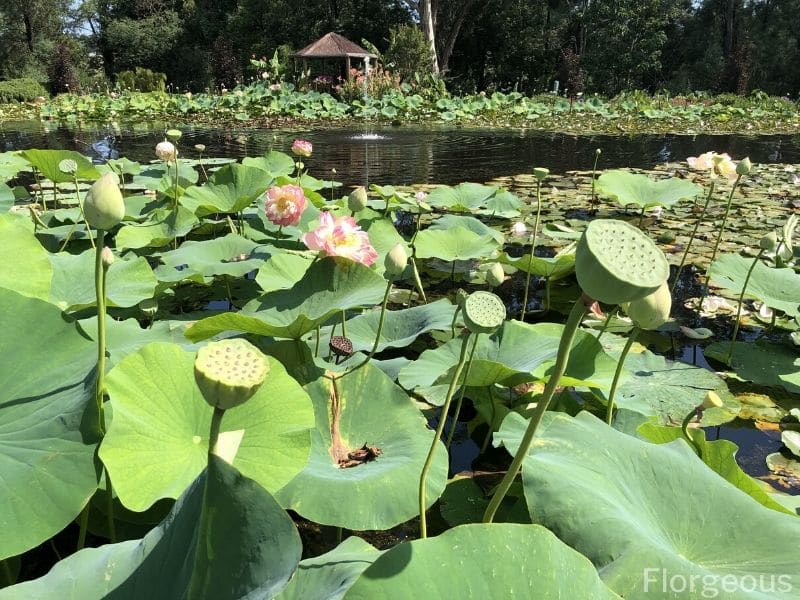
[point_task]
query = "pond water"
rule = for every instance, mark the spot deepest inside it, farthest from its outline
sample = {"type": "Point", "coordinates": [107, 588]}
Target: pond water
{"type": "Point", "coordinates": [408, 154]}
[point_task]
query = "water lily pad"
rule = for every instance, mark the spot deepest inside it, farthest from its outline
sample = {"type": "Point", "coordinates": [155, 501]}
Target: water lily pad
{"type": "Point", "coordinates": [190, 555]}
{"type": "Point", "coordinates": [231, 189]}
{"type": "Point", "coordinates": [158, 439]}
{"type": "Point", "coordinates": [630, 506]}
{"type": "Point", "coordinates": [457, 243]}
{"type": "Point", "coordinates": [777, 288]}
{"type": "Point", "coordinates": [368, 493]}
{"type": "Point", "coordinates": [528, 561]}
{"type": "Point", "coordinates": [230, 255]}
{"type": "Point", "coordinates": [330, 286]}
{"type": "Point", "coordinates": [26, 266]}
{"type": "Point", "coordinates": [762, 363]}
{"type": "Point", "coordinates": [46, 461]}
{"type": "Point", "coordinates": [633, 188]}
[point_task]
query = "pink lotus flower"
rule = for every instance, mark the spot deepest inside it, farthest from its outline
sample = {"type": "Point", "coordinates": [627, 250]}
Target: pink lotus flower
{"type": "Point", "coordinates": [704, 162]}
{"type": "Point", "coordinates": [718, 164]}
{"type": "Point", "coordinates": [302, 148]}
{"type": "Point", "coordinates": [341, 237]}
{"type": "Point", "coordinates": [285, 204]}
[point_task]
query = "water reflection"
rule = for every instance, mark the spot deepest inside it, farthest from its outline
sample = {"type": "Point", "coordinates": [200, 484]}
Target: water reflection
{"type": "Point", "coordinates": [408, 154]}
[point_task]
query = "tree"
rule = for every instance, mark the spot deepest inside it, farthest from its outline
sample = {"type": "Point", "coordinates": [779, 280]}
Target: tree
{"type": "Point", "coordinates": [28, 35]}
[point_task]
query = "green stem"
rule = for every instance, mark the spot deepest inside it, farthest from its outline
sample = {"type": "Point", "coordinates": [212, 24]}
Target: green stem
{"type": "Point", "coordinates": [230, 224]}
{"type": "Point", "coordinates": [641, 218]}
{"type": "Point", "coordinates": [344, 317]}
{"type": "Point", "coordinates": [112, 530]}
{"type": "Point", "coordinates": [99, 284]}
{"type": "Point", "coordinates": [453, 323]}
{"type": "Point", "coordinates": [216, 423]}
{"type": "Point", "coordinates": [489, 433]}
{"type": "Point", "coordinates": [175, 202]}
{"type": "Point", "coordinates": [40, 190]}
{"type": "Point", "coordinates": [457, 410]}
{"type": "Point", "coordinates": [565, 346]}
{"type": "Point", "coordinates": [316, 344]}
{"type": "Point", "coordinates": [533, 248]}
{"type": "Point", "coordinates": [605, 324]}
{"type": "Point", "coordinates": [83, 525]}
{"type": "Point", "coordinates": [594, 171]}
{"type": "Point", "coordinates": [380, 327]}
{"type": "Point", "coordinates": [739, 307]}
{"type": "Point", "coordinates": [620, 363]}
{"type": "Point", "coordinates": [699, 220]}
{"type": "Point", "coordinates": [717, 242]}
{"type": "Point", "coordinates": [417, 279]}
{"type": "Point", "coordinates": [685, 431]}
{"type": "Point", "coordinates": [423, 521]}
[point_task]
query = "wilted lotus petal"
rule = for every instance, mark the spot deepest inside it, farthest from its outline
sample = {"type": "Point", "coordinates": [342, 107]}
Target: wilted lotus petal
{"type": "Point", "coordinates": [701, 333]}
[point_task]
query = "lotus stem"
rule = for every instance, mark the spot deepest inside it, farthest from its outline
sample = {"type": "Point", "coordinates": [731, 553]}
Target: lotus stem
{"type": "Point", "coordinates": [620, 363]}
{"type": "Point", "coordinates": [216, 422]}
{"type": "Point", "coordinates": [605, 325]}
{"type": "Point", "coordinates": [230, 224]}
{"type": "Point", "coordinates": [699, 220]}
{"type": "Point", "coordinates": [417, 280]}
{"type": "Point", "coordinates": [457, 410]}
{"type": "Point", "coordinates": [83, 525]}
{"type": "Point", "coordinates": [39, 185]}
{"type": "Point", "coordinates": [453, 322]}
{"type": "Point", "coordinates": [739, 306]}
{"type": "Point", "coordinates": [719, 239]}
{"type": "Point", "coordinates": [344, 317]}
{"type": "Point", "coordinates": [488, 437]}
{"type": "Point", "coordinates": [641, 218]}
{"type": "Point", "coordinates": [175, 202]}
{"type": "Point", "coordinates": [533, 248]}
{"type": "Point", "coordinates": [100, 287]}
{"type": "Point", "coordinates": [576, 315]}
{"type": "Point", "coordinates": [316, 343]}
{"type": "Point", "coordinates": [423, 521]}
{"type": "Point", "coordinates": [380, 328]}
{"type": "Point", "coordinates": [594, 171]}
{"type": "Point", "coordinates": [685, 431]}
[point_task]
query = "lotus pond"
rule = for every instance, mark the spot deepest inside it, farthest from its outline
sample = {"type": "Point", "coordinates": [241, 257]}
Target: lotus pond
{"type": "Point", "coordinates": [238, 378]}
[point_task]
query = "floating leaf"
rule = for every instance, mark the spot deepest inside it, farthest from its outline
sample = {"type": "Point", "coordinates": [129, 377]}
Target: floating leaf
{"type": "Point", "coordinates": [777, 288]}
{"type": "Point", "coordinates": [633, 188]}
{"type": "Point", "coordinates": [554, 268]}
{"type": "Point", "coordinates": [274, 163]}
{"type": "Point", "coordinates": [762, 363]}
{"type": "Point", "coordinates": [231, 189]}
{"type": "Point", "coordinates": [463, 198]}
{"type": "Point", "coordinates": [457, 243]}
{"type": "Point", "coordinates": [230, 255]}
{"type": "Point", "coordinates": [161, 227]}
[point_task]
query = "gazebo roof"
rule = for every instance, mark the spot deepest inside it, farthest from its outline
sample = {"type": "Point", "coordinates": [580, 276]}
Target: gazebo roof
{"type": "Point", "coordinates": [333, 45]}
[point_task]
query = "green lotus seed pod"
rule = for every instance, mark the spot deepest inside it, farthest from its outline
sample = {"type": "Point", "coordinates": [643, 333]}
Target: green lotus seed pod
{"type": "Point", "coordinates": [615, 262]}
{"type": "Point", "coordinates": [396, 260]}
{"type": "Point", "coordinates": [744, 167]}
{"type": "Point", "coordinates": [495, 275]}
{"type": "Point", "coordinates": [484, 312]}
{"type": "Point", "coordinates": [103, 206]}
{"type": "Point", "coordinates": [68, 166]}
{"type": "Point", "coordinates": [769, 242]}
{"type": "Point", "coordinates": [229, 372]}
{"type": "Point", "coordinates": [174, 134]}
{"type": "Point", "coordinates": [357, 200]}
{"type": "Point", "coordinates": [712, 400]}
{"type": "Point", "coordinates": [540, 173]}
{"type": "Point", "coordinates": [652, 311]}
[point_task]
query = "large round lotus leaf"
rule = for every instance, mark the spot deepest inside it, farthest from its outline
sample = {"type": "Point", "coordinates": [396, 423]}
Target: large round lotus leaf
{"type": "Point", "coordinates": [457, 243]}
{"type": "Point", "coordinates": [240, 544]}
{"type": "Point", "coordinates": [231, 189]}
{"type": "Point", "coordinates": [47, 161]}
{"type": "Point", "coordinates": [330, 575]}
{"type": "Point", "coordinates": [639, 510]}
{"type": "Point", "coordinates": [7, 198]}
{"type": "Point", "coordinates": [46, 464]}
{"type": "Point", "coordinates": [274, 163]}
{"type": "Point", "coordinates": [633, 188]}
{"type": "Point", "coordinates": [26, 267]}
{"type": "Point", "coordinates": [229, 255]}
{"type": "Point", "coordinates": [128, 282]}
{"type": "Point", "coordinates": [762, 363]}
{"type": "Point", "coordinates": [471, 223]}
{"type": "Point", "coordinates": [282, 271]}
{"type": "Point", "coordinates": [482, 561]}
{"type": "Point", "coordinates": [380, 492]}
{"type": "Point", "coordinates": [465, 197]}
{"type": "Point", "coordinates": [553, 268]}
{"type": "Point", "coordinates": [330, 286]}
{"type": "Point", "coordinates": [11, 163]}
{"type": "Point", "coordinates": [615, 262]}
{"type": "Point", "coordinates": [503, 204]}
{"type": "Point", "coordinates": [161, 176]}
{"type": "Point", "coordinates": [777, 288]}
{"type": "Point", "coordinates": [160, 228]}
{"type": "Point", "coordinates": [158, 439]}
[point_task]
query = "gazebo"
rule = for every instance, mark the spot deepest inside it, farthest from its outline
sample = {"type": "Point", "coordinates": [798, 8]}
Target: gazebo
{"type": "Point", "coordinates": [334, 46]}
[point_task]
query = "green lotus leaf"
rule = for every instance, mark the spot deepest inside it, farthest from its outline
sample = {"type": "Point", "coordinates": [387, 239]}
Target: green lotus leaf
{"type": "Point", "coordinates": [273, 163]}
{"type": "Point", "coordinates": [553, 268]}
{"type": "Point", "coordinates": [47, 465]}
{"type": "Point", "coordinates": [328, 287]}
{"type": "Point", "coordinates": [191, 554]}
{"type": "Point", "coordinates": [471, 223]}
{"type": "Point", "coordinates": [464, 197]}
{"type": "Point", "coordinates": [330, 575]}
{"type": "Point", "coordinates": [128, 282]}
{"type": "Point", "coordinates": [231, 189]}
{"type": "Point", "coordinates": [47, 162]}
{"type": "Point", "coordinates": [719, 455]}
{"type": "Point", "coordinates": [282, 271]}
{"type": "Point", "coordinates": [121, 165]}
{"type": "Point", "coordinates": [158, 439]}
{"type": "Point", "coordinates": [12, 163]}
{"type": "Point", "coordinates": [527, 561]}
{"type": "Point", "coordinates": [635, 508]}
{"type": "Point", "coordinates": [383, 236]}
{"type": "Point", "coordinates": [230, 255]}
{"type": "Point", "coordinates": [762, 363]}
{"type": "Point", "coordinates": [457, 243]}
{"type": "Point", "coordinates": [777, 288]}
{"type": "Point", "coordinates": [633, 188]}
{"type": "Point", "coordinates": [503, 204]}
{"type": "Point", "coordinates": [464, 501]}
{"type": "Point", "coordinates": [161, 227]}
{"type": "Point", "coordinates": [7, 198]}
{"type": "Point", "coordinates": [26, 266]}
{"type": "Point", "coordinates": [161, 176]}
{"type": "Point", "coordinates": [376, 494]}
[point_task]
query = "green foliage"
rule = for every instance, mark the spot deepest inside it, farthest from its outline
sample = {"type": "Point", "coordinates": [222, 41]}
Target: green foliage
{"type": "Point", "coordinates": [21, 90]}
{"type": "Point", "coordinates": [408, 52]}
{"type": "Point", "coordinates": [141, 80]}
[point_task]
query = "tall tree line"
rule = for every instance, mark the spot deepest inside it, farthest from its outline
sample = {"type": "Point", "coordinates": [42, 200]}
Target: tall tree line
{"type": "Point", "coordinates": [604, 46]}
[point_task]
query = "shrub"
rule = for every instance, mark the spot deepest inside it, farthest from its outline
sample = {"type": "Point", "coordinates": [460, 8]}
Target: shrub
{"type": "Point", "coordinates": [379, 82]}
{"type": "Point", "coordinates": [142, 80]}
{"type": "Point", "coordinates": [21, 90]}
{"type": "Point", "coordinates": [408, 52]}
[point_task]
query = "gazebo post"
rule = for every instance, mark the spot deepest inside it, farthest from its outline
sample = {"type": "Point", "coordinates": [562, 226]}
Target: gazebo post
{"type": "Point", "coordinates": [347, 64]}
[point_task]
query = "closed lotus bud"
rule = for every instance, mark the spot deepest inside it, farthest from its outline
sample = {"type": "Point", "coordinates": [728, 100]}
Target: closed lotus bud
{"type": "Point", "coordinates": [357, 200]}
{"type": "Point", "coordinates": [229, 372]}
{"type": "Point", "coordinates": [166, 151]}
{"type": "Point", "coordinates": [598, 152]}
{"type": "Point", "coordinates": [744, 167]}
{"type": "Point", "coordinates": [712, 400]}
{"type": "Point", "coordinates": [174, 134]}
{"type": "Point", "coordinates": [103, 205]}
{"type": "Point", "coordinates": [769, 242]}
{"type": "Point", "coordinates": [652, 311]}
{"type": "Point", "coordinates": [396, 260]}
{"type": "Point", "coordinates": [107, 257]}
{"type": "Point", "coordinates": [200, 147]}
{"type": "Point", "coordinates": [495, 275]}
{"type": "Point", "coordinates": [540, 173]}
